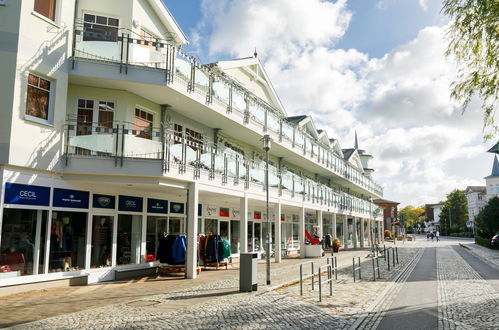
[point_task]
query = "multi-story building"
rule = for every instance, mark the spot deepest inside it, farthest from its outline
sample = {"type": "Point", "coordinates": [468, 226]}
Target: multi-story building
{"type": "Point", "coordinates": [492, 181]}
{"type": "Point", "coordinates": [111, 137]}
{"type": "Point", "coordinates": [477, 199]}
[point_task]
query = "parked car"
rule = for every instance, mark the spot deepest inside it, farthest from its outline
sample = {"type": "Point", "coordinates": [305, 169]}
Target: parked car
{"type": "Point", "coordinates": [495, 240]}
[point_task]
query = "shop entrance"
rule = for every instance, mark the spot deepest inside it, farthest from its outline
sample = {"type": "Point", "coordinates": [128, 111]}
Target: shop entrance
{"type": "Point", "coordinates": [102, 241]}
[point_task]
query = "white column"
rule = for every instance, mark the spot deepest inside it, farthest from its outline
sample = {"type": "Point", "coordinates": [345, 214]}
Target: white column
{"type": "Point", "coordinates": [114, 249]}
{"type": "Point", "coordinates": [301, 231]}
{"type": "Point", "coordinates": [345, 232]}
{"type": "Point", "coordinates": [320, 223]}
{"type": "Point", "coordinates": [192, 230]}
{"type": "Point", "coordinates": [88, 246]}
{"type": "Point", "coordinates": [333, 224]}
{"type": "Point", "coordinates": [36, 256]}
{"type": "Point", "coordinates": [277, 243]}
{"type": "Point", "coordinates": [243, 225]}
{"type": "Point", "coordinates": [362, 232]}
{"type": "Point", "coordinates": [354, 232]}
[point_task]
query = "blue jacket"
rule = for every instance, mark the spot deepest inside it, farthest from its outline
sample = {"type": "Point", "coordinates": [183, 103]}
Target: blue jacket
{"type": "Point", "coordinates": [179, 250]}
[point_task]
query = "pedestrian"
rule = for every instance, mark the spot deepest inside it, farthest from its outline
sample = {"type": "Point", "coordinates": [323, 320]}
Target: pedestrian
{"type": "Point", "coordinates": [437, 234]}
{"type": "Point", "coordinates": [431, 235]}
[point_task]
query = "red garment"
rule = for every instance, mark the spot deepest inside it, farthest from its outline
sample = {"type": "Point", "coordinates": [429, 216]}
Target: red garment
{"type": "Point", "coordinates": [201, 247]}
{"type": "Point", "coordinates": [15, 260]}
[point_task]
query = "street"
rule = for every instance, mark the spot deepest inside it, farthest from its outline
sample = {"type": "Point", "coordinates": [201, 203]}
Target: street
{"type": "Point", "coordinates": [442, 285]}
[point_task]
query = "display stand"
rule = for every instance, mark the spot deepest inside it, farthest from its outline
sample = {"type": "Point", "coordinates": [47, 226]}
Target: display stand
{"type": "Point", "coordinates": [177, 270]}
{"type": "Point", "coordinates": [215, 264]}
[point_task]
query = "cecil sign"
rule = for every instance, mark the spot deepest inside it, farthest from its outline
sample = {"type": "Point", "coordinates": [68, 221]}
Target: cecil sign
{"type": "Point", "coordinates": [26, 194]}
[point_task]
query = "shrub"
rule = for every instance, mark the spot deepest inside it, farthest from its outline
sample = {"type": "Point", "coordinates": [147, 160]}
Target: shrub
{"type": "Point", "coordinates": [388, 234]}
{"type": "Point", "coordinates": [483, 241]}
{"type": "Point", "coordinates": [462, 234]}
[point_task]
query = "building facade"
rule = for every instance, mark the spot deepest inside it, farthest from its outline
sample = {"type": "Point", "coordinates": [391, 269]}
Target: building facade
{"type": "Point", "coordinates": [477, 199]}
{"type": "Point", "coordinates": [111, 137]}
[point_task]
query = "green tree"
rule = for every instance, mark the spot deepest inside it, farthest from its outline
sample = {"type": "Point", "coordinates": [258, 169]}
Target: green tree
{"type": "Point", "coordinates": [454, 213]}
{"type": "Point", "coordinates": [411, 214]}
{"type": "Point", "coordinates": [473, 37]}
{"type": "Point", "coordinates": [488, 218]}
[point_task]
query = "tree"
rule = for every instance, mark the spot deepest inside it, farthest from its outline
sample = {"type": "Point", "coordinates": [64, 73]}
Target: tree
{"type": "Point", "coordinates": [474, 43]}
{"type": "Point", "coordinates": [411, 214]}
{"type": "Point", "coordinates": [454, 213]}
{"type": "Point", "coordinates": [488, 218]}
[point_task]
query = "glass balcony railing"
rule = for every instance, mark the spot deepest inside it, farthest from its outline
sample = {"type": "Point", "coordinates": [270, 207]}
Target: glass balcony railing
{"type": "Point", "coordinates": [184, 154]}
{"type": "Point", "coordinates": [129, 49]}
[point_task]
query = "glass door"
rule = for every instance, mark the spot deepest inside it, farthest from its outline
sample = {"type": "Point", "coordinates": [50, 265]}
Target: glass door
{"type": "Point", "coordinates": [224, 230]}
{"type": "Point", "coordinates": [234, 236]}
{"type": "Point", "coordinates": [258, 236]}
{"type": "Point", "coordinates": [175, 225]}
{"type": "Point", "coordinates": [102, 241]}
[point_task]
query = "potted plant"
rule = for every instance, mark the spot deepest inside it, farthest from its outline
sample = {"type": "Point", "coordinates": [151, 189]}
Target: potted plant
{"type": "Point", "coordinates": [336, 245]}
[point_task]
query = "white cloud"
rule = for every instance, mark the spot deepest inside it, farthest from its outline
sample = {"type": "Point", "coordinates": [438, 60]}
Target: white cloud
{"type": "Point", "coordinates": [423, 4]}
{"type": "Point", "coordinates": [399, 103]}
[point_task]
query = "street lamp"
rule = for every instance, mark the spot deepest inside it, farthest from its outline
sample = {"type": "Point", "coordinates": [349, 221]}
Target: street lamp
{"type": "Point", "coordinates": [266, 146]}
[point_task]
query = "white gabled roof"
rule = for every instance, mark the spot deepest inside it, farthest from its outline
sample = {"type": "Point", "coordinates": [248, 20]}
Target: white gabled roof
{"type": "Point", "coordinates": [167, 19]}
{"type": "Point", "coordinates": [253, 67]}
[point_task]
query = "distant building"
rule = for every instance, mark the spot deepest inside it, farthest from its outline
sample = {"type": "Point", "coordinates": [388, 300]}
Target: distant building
{"type": "Point", "coordinates": [492, 181]}
{"type": "Point", "coordinates": [390, 212]}
{"type": "Point", "coordinates": [477, 198]}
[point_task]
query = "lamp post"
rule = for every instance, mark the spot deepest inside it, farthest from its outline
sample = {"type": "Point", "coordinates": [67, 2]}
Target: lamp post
{"type": "Point", "coordinates": [266, 146]}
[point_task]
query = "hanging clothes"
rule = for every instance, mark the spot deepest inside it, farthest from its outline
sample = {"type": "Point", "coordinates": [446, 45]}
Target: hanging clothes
{"type": "Point", "coordinates": [226, 248]}
{"type": "Point", "coordinates": [179, 250]}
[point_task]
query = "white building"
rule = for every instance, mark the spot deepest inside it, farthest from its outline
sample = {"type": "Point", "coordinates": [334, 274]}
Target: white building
{"type": "Point", "coordinates": [492, 181]}
{"type": "Point", "coordinates": [435, 224]}
{"type": "Point", "coordinates": [477, 199]}
{"type": "Point", "coordinates": [112, 137]}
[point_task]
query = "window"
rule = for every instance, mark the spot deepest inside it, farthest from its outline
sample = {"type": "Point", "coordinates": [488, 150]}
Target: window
{"type": "Point", "coordinates": [106, 114]}
{"type": "Point", "coordinates": [177, 137]}
{"type": "Point", "coordinates": [143, 124]}
{"type": "Point", "coordinates": [149, 39]}
{"type": "Point", "coordinates": [45, 8]}
{"type": "Point", "coordinates": [100, 28]}
{"type": "Point", "coordinates": [38, 99]}
{"type": "Point", "coordinates": [129, 239]}
{"type": "Point", "coordinates": [194, 139]}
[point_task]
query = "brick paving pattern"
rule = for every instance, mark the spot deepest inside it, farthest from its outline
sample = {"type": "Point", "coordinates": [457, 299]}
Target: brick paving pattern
{"type": "Point", "coordinates": [466, 301]}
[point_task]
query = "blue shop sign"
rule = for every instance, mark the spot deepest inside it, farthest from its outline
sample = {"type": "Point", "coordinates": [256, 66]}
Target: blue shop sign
{"type": "Point", "coordinates": [157, 206]}
{"type": "Point", "coordinates": [70, 198]}
{"type": "Point", "coordinates": [177, 208]}
{"type": "Point", "coordinates": [26, 194]}
{"type": "Point", "coordinates": [130, 203]}
{"type": "Point", "coordinates": [104, 201]}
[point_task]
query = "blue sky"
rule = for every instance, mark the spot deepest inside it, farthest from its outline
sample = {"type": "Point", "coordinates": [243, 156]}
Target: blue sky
{"type": "Point", "coordinates": [372, 66]}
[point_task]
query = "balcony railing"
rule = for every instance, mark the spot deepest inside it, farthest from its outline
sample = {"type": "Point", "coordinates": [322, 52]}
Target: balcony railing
{"type": "Point", "coordinates": [203, 159]}
{"type": "Point", "coordinates": [218, 90]}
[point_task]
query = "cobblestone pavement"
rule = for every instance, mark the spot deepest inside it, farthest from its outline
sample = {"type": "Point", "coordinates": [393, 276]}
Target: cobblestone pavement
{"type": "Point", "coordinates": [466, 301]}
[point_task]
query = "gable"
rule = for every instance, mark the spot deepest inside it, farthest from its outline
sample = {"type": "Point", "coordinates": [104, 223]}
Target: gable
{"type": "Point", "coordinates": [250, 73]}
{"type": "Point", "coordinates": [355, 161]}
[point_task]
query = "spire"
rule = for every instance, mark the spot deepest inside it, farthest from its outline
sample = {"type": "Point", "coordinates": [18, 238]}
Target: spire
{"type": "Point", "coordinates": [356, 142]}
{"type": "Point", "coordinates": [495, 168]}
{"type": "Point", "coordinates": [494, 149]}
{"type": "Point", "coordinates": [255, 54]}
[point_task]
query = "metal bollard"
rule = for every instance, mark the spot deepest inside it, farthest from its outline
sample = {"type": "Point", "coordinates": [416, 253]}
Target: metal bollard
{"type": "Point", "coordinates": [393, 257]}
{"type": "Point", "coordinates": [388, 261]}
{"type": "Point", "coordinates": [397, 253]}
{"type": "Point", "coordinates": [356, 268]}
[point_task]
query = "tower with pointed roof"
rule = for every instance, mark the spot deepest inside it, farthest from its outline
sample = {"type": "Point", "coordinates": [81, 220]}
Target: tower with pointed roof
{"type": "Point", "coordinates": [492, 181]}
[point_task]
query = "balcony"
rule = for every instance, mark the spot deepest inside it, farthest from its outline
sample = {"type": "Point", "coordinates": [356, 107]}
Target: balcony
{"type": "Point", "coordinates": [182, 155]}
{"type": "Point", "coordinates": [218, 92]}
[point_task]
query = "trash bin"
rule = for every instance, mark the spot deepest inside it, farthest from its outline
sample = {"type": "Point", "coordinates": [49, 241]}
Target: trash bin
{"type": "Point", "coordinates": [248, 272]}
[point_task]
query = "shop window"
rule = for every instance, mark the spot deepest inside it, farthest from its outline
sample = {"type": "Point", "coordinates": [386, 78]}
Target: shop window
{"type": "Point", "coordinates": [234, 236]}
{"type": "Point", "coordinates": [102, 239]}
{"type": "Point", "coordinates": [38, 97]}
{"type": "Point", "coordinates": [157, 227]}
{"type": "Point", "coordinates": [46, 8]}
{"type": "Point", "coordinates": [224, 230]}
{"type": "Point", "coordinates": [210, 226]}
{"type": "Point", "coordinates": [23, 242]}
{"type": "Point", "coordinates": [129, 239]}
{"type": "Point", "coordinates": [250, 236]}
{"type": "Point", "coordinates": [68, 236]}
{"type": "Point", "coordinates": [143, 124]}
{"type": "Point", "coordinates": [100, 28]}
{"type": "Point", "coordinates": [174, 226]}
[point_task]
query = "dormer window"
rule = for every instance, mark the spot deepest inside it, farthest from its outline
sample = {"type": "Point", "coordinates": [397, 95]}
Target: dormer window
{"type": "Point", "coordinates": [100, 28]}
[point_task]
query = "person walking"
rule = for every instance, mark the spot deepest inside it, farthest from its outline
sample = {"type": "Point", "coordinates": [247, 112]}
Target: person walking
{"type": "Point", "coordinates": [437, 234]}
{"type": "Point", "coordinates": [431, 235]}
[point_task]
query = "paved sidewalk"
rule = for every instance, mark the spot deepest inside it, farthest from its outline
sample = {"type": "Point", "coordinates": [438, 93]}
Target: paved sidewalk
{"type": "Point", "coordinates": [38, 305]}
{"type": "Point", "coordinates": [489, 256]}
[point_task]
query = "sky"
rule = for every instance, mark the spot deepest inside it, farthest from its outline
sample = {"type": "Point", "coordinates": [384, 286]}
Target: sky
{"type": "Point", "coordinates": [375, 67]}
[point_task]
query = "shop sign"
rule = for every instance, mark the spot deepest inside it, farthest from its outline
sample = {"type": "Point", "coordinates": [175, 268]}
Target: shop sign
{"type": "Point", "coordinates": [104, 201]}
{"type": "Point", "coordinates": [26, 194]}
{"type": "Point", "coordinates": [70, 198]}
{"type": "Point", "coordinates": [130, 203]}
{"type": "Point", "coordinates": [157, 206]}
{"type": "Point", "coordinates": [224, 212]}
{"type": "Point", "coordinates": [177, 208]}
{"type": "Point", "coordinates": [236, 213]}
{"type": "Point", "coordinates": [211, 211]}
{"type": "Point", "coordinates": [257, 215]}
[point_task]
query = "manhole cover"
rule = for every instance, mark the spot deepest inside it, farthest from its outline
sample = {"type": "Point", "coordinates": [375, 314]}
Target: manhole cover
{"type": "Point", "coordinates": [142, 303]}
